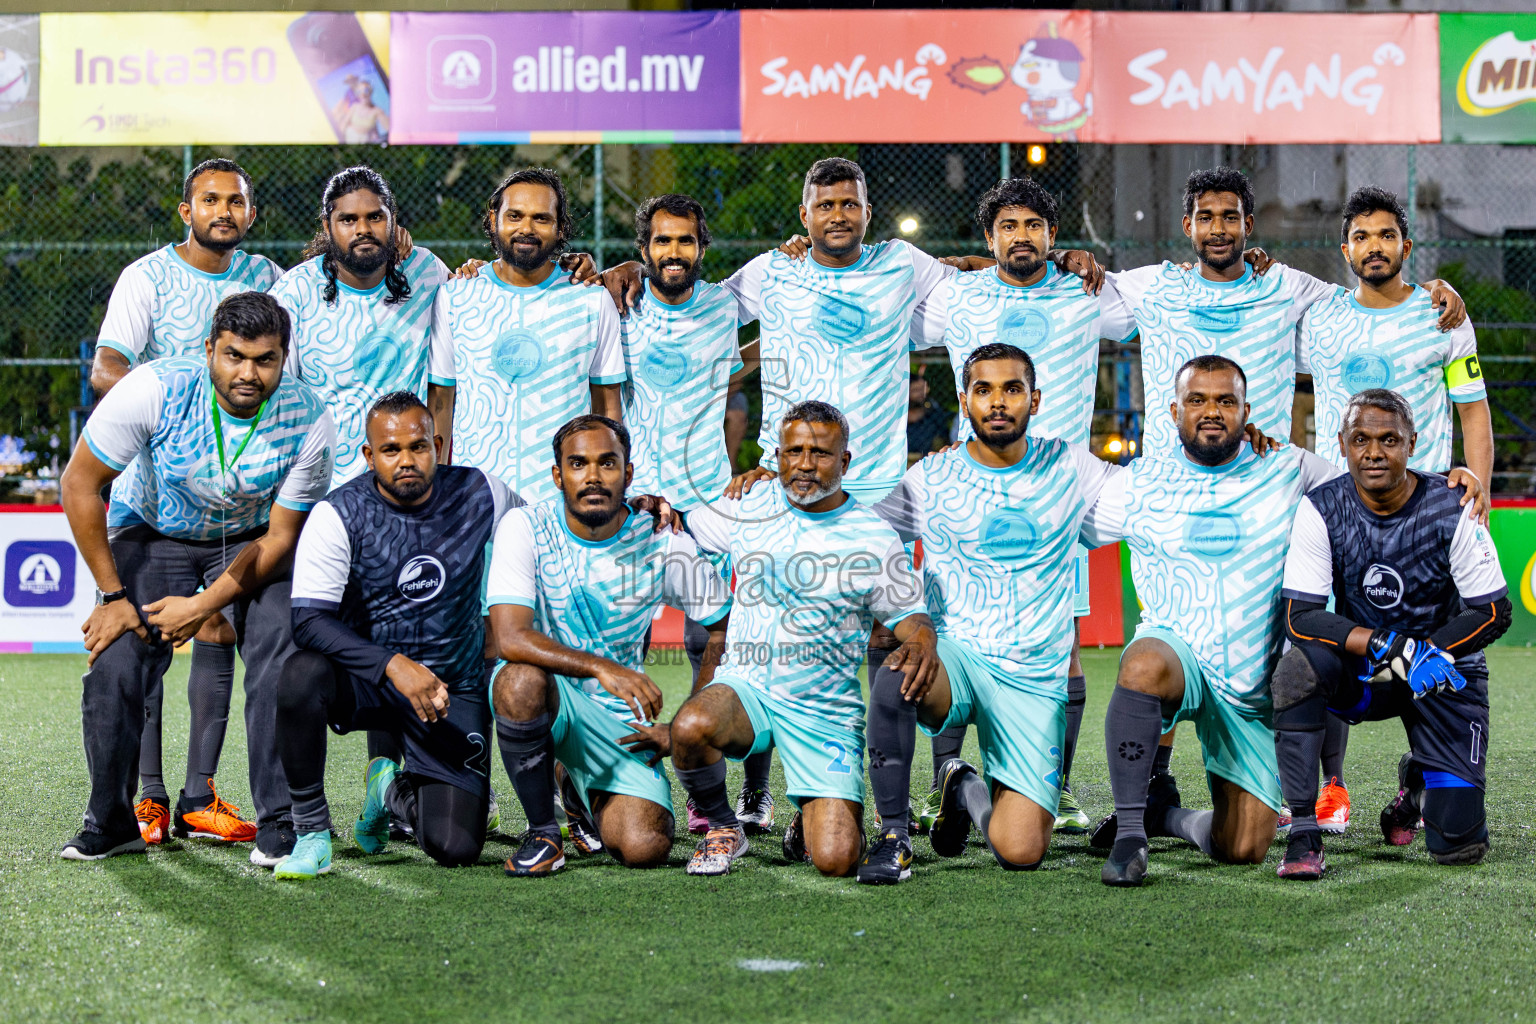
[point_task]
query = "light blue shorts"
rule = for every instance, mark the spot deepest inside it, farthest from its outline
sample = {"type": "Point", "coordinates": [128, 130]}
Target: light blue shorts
{"type": "Point", "coordinates": [820, 759]}
{"type": "Point", "coordinates": [1020, 733]}
{"type": "Point", "coordinates": [1239, 744]}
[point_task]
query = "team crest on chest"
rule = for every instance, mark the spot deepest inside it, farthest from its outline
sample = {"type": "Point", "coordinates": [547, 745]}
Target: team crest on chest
{"type": "Point", "coordinates": [1213, 535]}
{"type": "Point", "coordinates": [379, 359]}
{"type": "Point", "coordinates": [838, 319]}
{"type": "Point", "coordinates": [1366, 370]}
{"type": "Point", "coordinates": [421, 578]}
{"type": "Point", "coordinates": [517, 356]}
{"type": "Point", "coordinates": [1025, 327]}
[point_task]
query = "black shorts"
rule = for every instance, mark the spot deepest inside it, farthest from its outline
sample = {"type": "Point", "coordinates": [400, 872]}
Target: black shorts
{"type": "Point", "coordinates": [455, 749]}
{"type": "Point", "coordinates": [1447, 732]}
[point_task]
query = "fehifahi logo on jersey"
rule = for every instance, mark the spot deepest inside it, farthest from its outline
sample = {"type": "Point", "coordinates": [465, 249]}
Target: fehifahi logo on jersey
{"type": "Point", "coordinates": [1213, 535]}
{"type": "Point", "coordinates": [421, 578]}
{"type": "Point", "coordinates": [40, 574]}
{"type": "Point", "coordinates": [1383, 586]}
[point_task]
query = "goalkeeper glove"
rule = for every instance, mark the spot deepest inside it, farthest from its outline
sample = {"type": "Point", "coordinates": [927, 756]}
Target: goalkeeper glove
{"type": "Point", "coordinates": [1419, 663]}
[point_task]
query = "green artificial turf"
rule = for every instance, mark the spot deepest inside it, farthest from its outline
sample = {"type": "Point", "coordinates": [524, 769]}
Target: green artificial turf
{"type": "Point", "coordinates": [193, 932]}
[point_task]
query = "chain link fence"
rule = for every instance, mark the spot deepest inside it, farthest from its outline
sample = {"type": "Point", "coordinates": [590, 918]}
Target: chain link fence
{"type": "Point", "coordinates": [70, 219]}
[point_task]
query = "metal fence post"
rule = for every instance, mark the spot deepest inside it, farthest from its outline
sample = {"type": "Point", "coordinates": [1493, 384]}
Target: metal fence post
{"type": "Point", "coordinates": [186, 161]}
{"type": "Point", "coordinates": [1413, 196]}
{"type": "Point", "coordinates": [1004, 161]}
{"type": "Point", "coordinates": [597, 204]}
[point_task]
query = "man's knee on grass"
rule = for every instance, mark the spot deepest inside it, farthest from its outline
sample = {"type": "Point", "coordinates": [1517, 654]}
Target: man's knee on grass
{"type": "Point", "coordinates": [636, 832]}
{"type": "Point", "coordinates": [834, 835]}
{"type": "Point", "coordinates": [1019, 831]}
{"type": "Point", "coordinates": [523, 692]}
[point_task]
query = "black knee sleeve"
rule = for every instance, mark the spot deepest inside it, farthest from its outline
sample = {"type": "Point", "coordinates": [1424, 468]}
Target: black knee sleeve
{"type": "Point", "coordinates": [1455, 825]}
{"type": "Point", "coordinates": [1295, 685]}
{"type": "Point", "coordinates": [450, 823]}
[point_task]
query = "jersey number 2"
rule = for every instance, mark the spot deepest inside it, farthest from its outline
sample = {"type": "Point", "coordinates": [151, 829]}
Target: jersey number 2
{"type": "Point", "coordinates": [839, 764]}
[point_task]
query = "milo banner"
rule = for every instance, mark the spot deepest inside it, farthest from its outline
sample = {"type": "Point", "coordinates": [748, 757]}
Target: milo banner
{"type": "Point", "coordinates": [1488, 77]}
{"type": "Point", "coordinates": [250, 77]}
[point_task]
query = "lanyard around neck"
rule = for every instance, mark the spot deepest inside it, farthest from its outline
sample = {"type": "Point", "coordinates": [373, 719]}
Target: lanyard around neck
{"type": "Point", "coordinates": [218, 433]}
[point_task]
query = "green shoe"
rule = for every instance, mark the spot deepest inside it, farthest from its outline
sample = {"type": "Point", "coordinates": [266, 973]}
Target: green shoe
{"type": "Point", "coordinates": [1070, 819]}
{"type": "Point", "coordinates": [371, 833]}
{"type": "Point", "coordinates": [311, 857]}
{"type": "Point", "coordinates": [928, 813]}
{"type": "Point", "coordinates": [492, 815]}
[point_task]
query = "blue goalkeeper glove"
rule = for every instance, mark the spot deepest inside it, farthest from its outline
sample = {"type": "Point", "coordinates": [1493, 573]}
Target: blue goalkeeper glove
{"type": "Point", "coordinates": [1423, 666]}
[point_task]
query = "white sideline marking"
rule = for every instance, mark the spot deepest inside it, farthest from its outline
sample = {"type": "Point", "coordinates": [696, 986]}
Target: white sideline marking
{"type": "Point", "coordinates": [769, 966]}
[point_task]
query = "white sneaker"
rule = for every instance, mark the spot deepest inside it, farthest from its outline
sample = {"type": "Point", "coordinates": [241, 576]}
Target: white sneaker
{"type": "Point", "coordinates": [717, 851]}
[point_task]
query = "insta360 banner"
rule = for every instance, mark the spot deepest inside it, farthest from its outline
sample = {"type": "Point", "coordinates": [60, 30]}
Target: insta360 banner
{"type": "Point", "coordinates": [131, 79]}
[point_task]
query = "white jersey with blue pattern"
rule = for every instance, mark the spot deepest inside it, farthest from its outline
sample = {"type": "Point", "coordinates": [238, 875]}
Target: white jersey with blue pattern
{"type": "Point", "coordinates": [1208, 548]}
{"type": "Point", "coordinates": [1251, 321]}
{"type": "Point", "coordinates": [680, 360]}
{"type": "Point", "coordinates": [808, 588]}
{"type": "Point", "coordinates": [156, 428]}
{"type": "Point", "coordinates": [600, 596]}
{"type": "Point", "coordinates": [520, 361]}
{"type": "Point", "coordinates": [163, 306]}
{"type": "Point", "coordinates": [1054, 321]}
{"type": "Point", "coordinates": [999, 546]}
{"type": "Point", "coordinates": [1347, 347]}
{"type": "Point", "coordinates": [360, 348]}
{"type": "Point", "coordinates": [841, 335]}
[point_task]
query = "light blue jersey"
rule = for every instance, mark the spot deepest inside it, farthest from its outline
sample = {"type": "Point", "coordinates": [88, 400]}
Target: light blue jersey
{"type": "Point", "coordinates": [163, 306]}
{"type": "Point", "coordinates": [1347, 347]}
{"type": "Point", "coordinates": [1251, 321]}
{"type": "Point", "coordinates": [680, 360]}
{"type": "Point", "coordinates": [841, 335]}
{"type": "Point", "coordinates": [999, 547]}
{"type": "Point", "coordinates": [156, 428]}
{"type": "Point", "coordinates": [808, 588]}
{"type": "Point", "coordinates": [521, 361]}
{"type": "Point", "coordinates": [600, 597]}
{"type": "Point", "coordinates": [1054, 321]}
{"type": "Point", "coordinates": [361, 347]}
{"type": "Point", "coordinates": [1208, 548]}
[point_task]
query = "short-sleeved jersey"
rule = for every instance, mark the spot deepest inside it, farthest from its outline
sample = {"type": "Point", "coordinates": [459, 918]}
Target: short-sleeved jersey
{"type": "Point", "coordinates": [163, 306]}
{"type": "Point", "coordinates": [841, 335]}
{"type": "Point", "coordinates": [407, 579]}
{"type": "Point", "coordinates": [808, 588]}
{"type": "Point", "coordinates": [1053, 320]}
{"type": "Point", "coordinates": [679, 359]}
{"type": "Point", "coordinates": [1208, 553]}
{"type": "Point", "coordinates": [1347, 347]}
{"type": "Point", "coordinates": [361, 347]}
{"type": "Point", "coordinates": [600, 597]}
{"type": "Point", "coordinates": [998, 550]}
{"type": "Point", "coordinates": [1412, 571]}
{"type": "Point", "coordinates": [520, 361]}
{"type": "Point", "coordinates": [1252, 321]}
{"type": "Point", "coordinates": [156, 428]}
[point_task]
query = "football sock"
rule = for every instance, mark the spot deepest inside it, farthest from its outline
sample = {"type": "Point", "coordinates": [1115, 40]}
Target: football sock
{"type": "Point", "coordinates": [528, 751]}
{"type": "Point", "coordinates": [1161, 759]}
{"type": "Point", "coordinates": [977, 801]}
{"type": "Point", "coordinates": [307, 695]}
{"type": "Point", "coordinates": [706, 786]}
{"type": "Point", "coordinates": [1299, 739]}
{"type": "Point", "coordinates": [1191, 826]}
{"type": "Point", "coordinates": [151, 761]}
{"type": "Point", "coordinates": [449, 822]}
{"type": "Point", "coordinates": [1454, 816]}
{"type": "Point", "coordinates": [695, 640]}
{"type": "Point", "coordinates": [209, 686]}
{"type": "Point", "coordinates": [1077, 697]}
{"type": "Point", "coordinates": [1335, 743]}
{"type": "Point", "coordinates": [892, 736]}
{"type": "Point", "coordinates": [385, 744]}
{"type": "Point", "coordinates": [946, 744]}
{"type": "Point", "coordinates": [1132, 724]}
{"type": "Point", "coordinates": [756, 768]}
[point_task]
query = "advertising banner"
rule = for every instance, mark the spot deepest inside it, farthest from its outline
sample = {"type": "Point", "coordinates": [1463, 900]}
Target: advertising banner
{"type": "Point", "coordinates": [1265, 78]}
{"type": "Point", "coordinates": [917, 76]}
{"type": "Point", "coordinates": [18, 80]}
{"type": "Point", "coordinates": [1514, 535]}
{"type": "Point", "coordinates": [1488, 77]}
{"type": "Point", "coordinates": [254, 78]}
{"type": "Point", "coordinates": [47, 591]}
{"type": "Point", "coordinates": [618, 76]}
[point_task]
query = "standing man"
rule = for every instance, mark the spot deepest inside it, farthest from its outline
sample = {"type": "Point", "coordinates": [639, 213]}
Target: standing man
{"type": "Point", "coordinates": [998, 518]}
{"type": "Point", "coordinates": [228, 455]}
{"type": "Point", "coordinates": [1384, 334]}
{"type": "Point", "coordinates": [523, 348]}
{"type": "Point", "coordinates": [162, 306]}
{"type": "Point", "coordinates": [575, 584]}
{"type": "Point", "coordinates": [386, 611]}
{"type": "Point", "coordinates": [363, 323]}
{"type": "Point", "coordinates": [1417, 594]}
{"type": "Point", "coordinates": [680, 356]}
{"type": "Point", "coordinates": [814, 571]}
{"type": "Point", "coordinates": [1224, 307]}
{"type": "Point", "coordinates": [1026, 302]}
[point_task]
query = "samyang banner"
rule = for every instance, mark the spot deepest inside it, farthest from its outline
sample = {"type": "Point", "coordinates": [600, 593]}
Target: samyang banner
{"type": "Point", "coordinates": [616, 76]}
